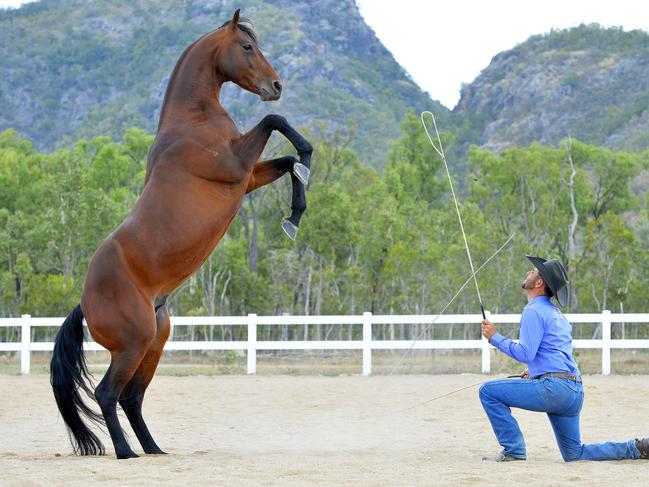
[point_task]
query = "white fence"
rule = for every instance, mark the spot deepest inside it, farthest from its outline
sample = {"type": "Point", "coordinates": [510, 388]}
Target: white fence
{"type": "Point", "coordinates": [367, 344]}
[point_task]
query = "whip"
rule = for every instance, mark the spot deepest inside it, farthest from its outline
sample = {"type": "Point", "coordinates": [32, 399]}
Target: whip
{"type": "Point", "coordinates": [449, 303]}
{"type": "Point", "coordinates": [440, 151]}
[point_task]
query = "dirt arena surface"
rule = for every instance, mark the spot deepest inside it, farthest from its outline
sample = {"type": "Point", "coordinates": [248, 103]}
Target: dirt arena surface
{"type": "Point", "coordinates": [316, 431]}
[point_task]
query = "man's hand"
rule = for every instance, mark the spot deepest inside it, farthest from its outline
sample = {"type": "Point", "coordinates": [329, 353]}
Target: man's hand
{"type": "Point", "coordinates": [488, 329]}
{"type": "Point", "coordinates": [526, 374]}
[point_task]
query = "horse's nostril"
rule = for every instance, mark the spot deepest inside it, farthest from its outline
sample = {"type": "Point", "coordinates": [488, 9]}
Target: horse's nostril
{"type": "Point", "coordinates": [278, 86]}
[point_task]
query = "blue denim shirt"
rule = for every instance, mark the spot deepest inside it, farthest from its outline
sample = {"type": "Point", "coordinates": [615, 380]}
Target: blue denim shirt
{"type": "Point", "coordinates": [545, 343]}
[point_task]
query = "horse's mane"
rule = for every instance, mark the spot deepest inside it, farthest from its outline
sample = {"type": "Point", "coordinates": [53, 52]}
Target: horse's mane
{"type": "Point", "coordinates": [246, 25]}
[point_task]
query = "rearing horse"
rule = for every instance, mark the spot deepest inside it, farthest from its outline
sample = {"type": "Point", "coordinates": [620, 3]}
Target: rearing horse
{"type": "Point", "coordinates": [199, 169]}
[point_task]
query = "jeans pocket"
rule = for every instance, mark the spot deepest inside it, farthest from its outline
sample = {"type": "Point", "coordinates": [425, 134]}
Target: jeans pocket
{"type": "Point", "coordinates": [563, 395]}
{"type": "Point", "coordinates": [569, 384]}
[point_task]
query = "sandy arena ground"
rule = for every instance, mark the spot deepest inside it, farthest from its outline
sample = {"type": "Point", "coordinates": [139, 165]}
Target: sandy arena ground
{"type": "Point", "coordinates": [312, 431]}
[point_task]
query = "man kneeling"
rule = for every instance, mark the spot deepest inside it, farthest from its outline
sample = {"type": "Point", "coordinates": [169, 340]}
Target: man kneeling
{"type": "Point", "coordinates": [552, 383]}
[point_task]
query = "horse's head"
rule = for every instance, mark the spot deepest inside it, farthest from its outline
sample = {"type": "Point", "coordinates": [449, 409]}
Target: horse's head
{"type": "Point", "coordinates": [238, 59]}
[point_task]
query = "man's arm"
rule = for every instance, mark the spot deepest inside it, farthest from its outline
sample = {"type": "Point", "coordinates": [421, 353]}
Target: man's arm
{"type": "Point", "coordinates": [530, 337]}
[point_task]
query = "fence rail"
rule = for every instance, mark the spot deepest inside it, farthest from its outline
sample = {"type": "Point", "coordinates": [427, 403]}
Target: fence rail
{"type": "Point", "coordinates": [25, 346]}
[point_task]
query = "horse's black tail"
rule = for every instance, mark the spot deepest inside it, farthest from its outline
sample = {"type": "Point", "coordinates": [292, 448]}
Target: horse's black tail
{"type": "Point", "coordinates": [68, 374]}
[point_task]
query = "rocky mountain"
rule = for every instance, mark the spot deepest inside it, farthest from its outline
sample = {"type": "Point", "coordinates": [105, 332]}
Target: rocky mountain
{"type": "Point", "coordinates": [588, 82]}
{"type": "Point", "coordinates": [79, 68]}
{"type": "Point", "coordinates": [73, 68]}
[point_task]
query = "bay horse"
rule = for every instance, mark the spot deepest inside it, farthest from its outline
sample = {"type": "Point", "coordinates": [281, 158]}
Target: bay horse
{"type": "Point", "coordinates": [199, 169]}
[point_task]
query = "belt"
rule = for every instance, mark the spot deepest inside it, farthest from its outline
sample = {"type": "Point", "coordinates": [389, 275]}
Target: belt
{"type": "Point", "coordinates": [561, 375]}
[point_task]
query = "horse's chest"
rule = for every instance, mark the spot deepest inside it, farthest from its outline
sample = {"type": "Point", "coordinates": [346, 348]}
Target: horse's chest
{"type": "Point", "coordinates": [224, 166]}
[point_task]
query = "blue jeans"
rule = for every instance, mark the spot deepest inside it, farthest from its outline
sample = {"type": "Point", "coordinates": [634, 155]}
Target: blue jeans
{"type": "Point", "coordinates": [561, 399]}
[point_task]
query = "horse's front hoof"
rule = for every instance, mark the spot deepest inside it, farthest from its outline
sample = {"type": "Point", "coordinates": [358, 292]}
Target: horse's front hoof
{"type": "Point", "coordinates": [290, 229]}
{"type": "Point", "coordinates": [302, 172]}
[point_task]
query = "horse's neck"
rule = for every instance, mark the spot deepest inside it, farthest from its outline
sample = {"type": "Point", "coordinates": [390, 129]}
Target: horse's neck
{"type": "Point", "coordinates": [193, 86]}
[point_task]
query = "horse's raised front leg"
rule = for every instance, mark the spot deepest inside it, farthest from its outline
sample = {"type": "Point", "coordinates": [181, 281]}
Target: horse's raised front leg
{"type": "Point", "coordinates": [250, 145]}
{"type": "Point", "coordinates": [266, 172]}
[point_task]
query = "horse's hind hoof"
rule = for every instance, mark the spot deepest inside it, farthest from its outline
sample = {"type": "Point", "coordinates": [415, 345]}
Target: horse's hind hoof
{"type": "Point", "coordinates": [290, 229]}
{"type": "Point", "coordinates": [302, 172]}
{"type": "Point", "coordinates": [127, 455]}
{"type": "Point", "coordinates": [154, 451]}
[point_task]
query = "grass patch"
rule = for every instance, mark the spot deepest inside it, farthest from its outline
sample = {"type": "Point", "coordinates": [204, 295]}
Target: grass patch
{"type": "Point", "coordinates": [339, 362]}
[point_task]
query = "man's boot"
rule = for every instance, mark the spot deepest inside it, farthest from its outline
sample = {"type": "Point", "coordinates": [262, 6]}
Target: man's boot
{"type": "Point", "coordinates": [643, 447]}
{"type": "Point", "coordinates": [502, 457]}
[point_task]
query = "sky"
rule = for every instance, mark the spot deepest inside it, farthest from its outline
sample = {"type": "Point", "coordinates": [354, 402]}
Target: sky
{"type": "Point", "coordinates": [443, 44]}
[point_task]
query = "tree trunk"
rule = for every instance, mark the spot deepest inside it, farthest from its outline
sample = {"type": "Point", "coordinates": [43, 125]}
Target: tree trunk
{"type": "Point", "coordinates": [253, 244]}
{"type": "Point", "coordinates": [572, 229]}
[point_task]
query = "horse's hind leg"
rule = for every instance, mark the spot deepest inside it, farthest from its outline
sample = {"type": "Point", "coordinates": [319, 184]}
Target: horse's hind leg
{"type": "Point", "coordinates": [133, 394]}
{"type": "Point", "coordinates": [123, 365]}
{"type": "Point", "coordinates": [132, 337]}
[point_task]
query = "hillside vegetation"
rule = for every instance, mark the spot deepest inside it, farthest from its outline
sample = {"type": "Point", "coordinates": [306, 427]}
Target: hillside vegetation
{"type": "Point", "coordinates": [386, 242]}
{"type": "Point", "coordinates": [588, 82]}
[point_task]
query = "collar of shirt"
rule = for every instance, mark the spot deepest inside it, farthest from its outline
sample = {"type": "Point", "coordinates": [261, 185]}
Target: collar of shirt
{"type": "Point", "coordinates": [538, 299]}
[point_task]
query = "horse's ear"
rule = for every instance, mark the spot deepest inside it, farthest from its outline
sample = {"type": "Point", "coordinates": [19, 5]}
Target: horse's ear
{"type": "Point", "coordinates": [235, 19]}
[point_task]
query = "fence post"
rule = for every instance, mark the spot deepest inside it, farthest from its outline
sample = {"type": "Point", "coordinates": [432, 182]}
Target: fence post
{"type": "Point", "coordinates": [486, 350]}
{"type": "Point", "coordinates": [25, 337]}
{"type": "Point", "coordinates": [606, 342]}
{"type": "Point", "coordinates": [367, 343]}
{"type": "Point", "coordinates": [252, 343]}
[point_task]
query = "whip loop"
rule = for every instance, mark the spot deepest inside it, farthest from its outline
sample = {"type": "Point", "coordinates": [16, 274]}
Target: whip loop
{"type": "Point", "coordinates": [440, 151]}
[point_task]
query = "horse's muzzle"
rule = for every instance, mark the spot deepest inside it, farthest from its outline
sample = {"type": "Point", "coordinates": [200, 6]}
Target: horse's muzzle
{"type": "Point", "coordinates": [271, 92]}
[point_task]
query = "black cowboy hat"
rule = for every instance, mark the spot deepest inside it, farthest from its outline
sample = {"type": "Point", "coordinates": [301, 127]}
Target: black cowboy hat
{"type": "Point", "coordinates": [554, 275]}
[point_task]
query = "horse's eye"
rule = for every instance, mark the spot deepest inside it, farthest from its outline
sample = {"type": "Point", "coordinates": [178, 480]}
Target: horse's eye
{"type": "Point", "coordinates": [247, 47]}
